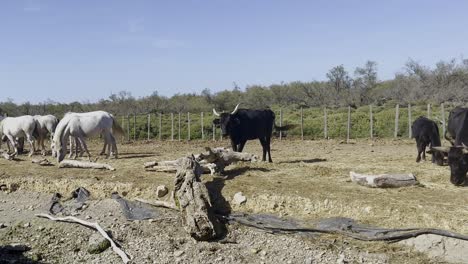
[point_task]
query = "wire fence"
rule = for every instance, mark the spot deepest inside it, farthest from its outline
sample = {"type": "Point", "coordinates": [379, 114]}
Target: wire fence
{"type": "Point", "coordinates": [307, 123]}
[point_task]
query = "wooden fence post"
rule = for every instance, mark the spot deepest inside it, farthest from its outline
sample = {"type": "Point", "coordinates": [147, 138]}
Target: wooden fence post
{"type": "Point", "coordinates": [281, 124]}
{"type": "Point", "coordinates": [160, 126]}
{"type": "Point", "coordinates": [123, 127]}
{"type": "Point", "coordinates": [442, 109]}
{"type": "Point", "coordinates": [149, 126]}
{"type": "Point", "coordinates": [202, 129]}
{"type": "Point", "coordinates": [410, 122]}
{"type": "Point", "coordinates": [325, 123]}
{"type": "Point", "coordinates": [429, 111]}
{"type": "Point", "coordinates": [179, 126]}
{"type": "Point", "coordinates": [134, 127]}
{"type": "Point", "coordinates": [128, 127]}
{"type": "Point", "coordinates": [371, 119]}
{"type": "Point", "coordinates": [214, 132]}
{"type": "Point", "coordinates": [188, 126]}
{"type": "Point", "coordinates": [172, 126]}
{"type": "Point", "coordinates": [348, 130]}
{"type": "Point", "coordinates": [397, 116]}
{"type": "Point", "coordinates": [302, 124]}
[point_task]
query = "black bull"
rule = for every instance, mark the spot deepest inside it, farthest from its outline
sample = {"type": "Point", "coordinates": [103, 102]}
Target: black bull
{"type": "Point", "coordinates": [426, 133]}
{"type": "Point", "coordinates": [457, 134]}
{"type": "Point", "coordinates": [245, 124]}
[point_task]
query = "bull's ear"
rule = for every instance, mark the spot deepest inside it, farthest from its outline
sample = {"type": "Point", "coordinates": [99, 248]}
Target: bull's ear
{"type": "Point", "coordinates": [441, 149]}
{"type": "Point", "coordinates": [216, 121]}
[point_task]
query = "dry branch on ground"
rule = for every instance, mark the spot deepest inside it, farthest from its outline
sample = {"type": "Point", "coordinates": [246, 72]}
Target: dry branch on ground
{"type": "Point", "coordinates": [383, 180]}
{"type": "Point", "coordinates": [95, 226]}
{"type": "Point", "coordinates": [84, 165]}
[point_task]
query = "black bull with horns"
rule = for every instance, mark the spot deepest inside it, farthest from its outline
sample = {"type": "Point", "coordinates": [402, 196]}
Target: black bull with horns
{"type": "Point", "coordinates": [247, 124]}
{"type": "Point", "coordinates": [457, 134]}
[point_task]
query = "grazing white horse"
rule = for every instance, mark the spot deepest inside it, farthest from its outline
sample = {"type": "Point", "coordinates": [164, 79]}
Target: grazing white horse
{"type": "Point", "coordinates": [83, 125]}
{"type": "Point", "coordinates": [45, 125]}
{"type": "Point", "coordinates": [16, 127]}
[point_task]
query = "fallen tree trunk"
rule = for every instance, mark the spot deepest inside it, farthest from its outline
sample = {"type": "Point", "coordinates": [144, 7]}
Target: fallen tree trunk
{"type": "Point", "coordinates": [384, 180]}
{"type": "Point", "coordinates": [214, 161]}
{"type": "Point", "coordinates": [84, 165]}
{"type": "Point", "coordinates": [193, 200]}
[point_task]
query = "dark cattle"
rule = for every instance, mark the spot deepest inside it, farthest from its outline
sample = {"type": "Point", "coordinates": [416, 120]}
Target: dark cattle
{"type": "Point", "coordinates": [245, 124]}
{"type": "Point", "coordinates": [457, 134]}
{"type": "Point", "coordinates": [426, 133]}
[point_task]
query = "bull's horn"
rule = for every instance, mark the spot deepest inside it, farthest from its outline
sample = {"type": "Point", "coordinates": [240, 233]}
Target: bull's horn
{"type": "Point", "coordinates": [215, 113]}
{"type": "Point", "coordinates": [441, 149]}
{"type": "Point", "coordinates": [235, 109]}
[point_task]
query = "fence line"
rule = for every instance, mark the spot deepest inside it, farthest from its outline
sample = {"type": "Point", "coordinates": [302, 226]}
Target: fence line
{"type": "Point", "coordinates": [306, 123]}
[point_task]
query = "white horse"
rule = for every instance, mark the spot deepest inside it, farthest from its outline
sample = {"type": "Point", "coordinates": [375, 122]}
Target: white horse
{"type": "Point", "coordinates": [16, 127]}
{"type": "Point", "coordinates": [82, 125]}
{"type": "Point", "coordinates": [45, 125]}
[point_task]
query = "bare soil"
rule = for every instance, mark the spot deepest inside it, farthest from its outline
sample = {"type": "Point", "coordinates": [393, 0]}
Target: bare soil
{"type": "Point", "coordinates": [308, 180]}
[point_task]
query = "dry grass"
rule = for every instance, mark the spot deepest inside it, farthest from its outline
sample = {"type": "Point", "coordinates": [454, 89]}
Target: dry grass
{"type": "Point", "coordinates": [308, 180]}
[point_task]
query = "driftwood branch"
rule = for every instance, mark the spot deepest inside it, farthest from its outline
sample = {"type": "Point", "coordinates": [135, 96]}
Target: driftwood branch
{"type": "Point", "coordinates": [351, 229]}
{"type": "Point", "coordinates": [169, 205]}
{"type": "Point", "coordinates": [95, 226]}
{"type": "Point", "coordinates": [384, 180]}
{"type": "Point", "coordinates": [7, 156]}
{"type": "Point", "coordinates": [212, 161]}
{"type": "Point", "coordinates": [84, 165]}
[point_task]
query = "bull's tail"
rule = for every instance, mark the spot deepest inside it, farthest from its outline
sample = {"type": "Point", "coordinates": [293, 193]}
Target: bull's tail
{"type": "Point", "coordinates": [35, 132]}
{"type": "Point", "coordinates": [116, 128]}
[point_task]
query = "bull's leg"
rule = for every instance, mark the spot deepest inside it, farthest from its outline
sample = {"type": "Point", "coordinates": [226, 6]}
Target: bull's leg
{"type": "Point", "coordinates": [423, 152]}
{"type": "Point", "coordinates": [268, 142]}
{"type": "Point", "coordinates": [263, 142]}
{"type": "Point", "coordinates": [233, 145]}
{"type": "Point", "coordinates": [43, 146]}
{"type": "Point", "coordinates": [241, 146]}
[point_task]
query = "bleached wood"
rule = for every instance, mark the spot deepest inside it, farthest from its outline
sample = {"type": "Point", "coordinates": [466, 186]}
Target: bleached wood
{"type": "Point", "coordinates": [70, 219]}
{"type": "Point", "coordinates": [383, 180]}
{"type": "Point", "coordinates": [84, 165]}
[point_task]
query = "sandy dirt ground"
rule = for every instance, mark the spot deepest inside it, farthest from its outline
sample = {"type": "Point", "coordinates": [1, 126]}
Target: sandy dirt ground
{"type": "Point", "coordinates": [308, 180]}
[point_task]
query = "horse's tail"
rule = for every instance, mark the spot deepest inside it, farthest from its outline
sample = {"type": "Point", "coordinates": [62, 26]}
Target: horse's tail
{"type": "Point", "coordinates": [116, 128]}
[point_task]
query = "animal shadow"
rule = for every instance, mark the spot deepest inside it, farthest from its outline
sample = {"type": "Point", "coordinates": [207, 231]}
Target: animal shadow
{"type": "Point", "coordinates": [14, 254]}
{"type": "Point", "coordinates": [304, 161]}
{"type": "Point", "coordinates": [230, 174]}
{"type": "Point", "coordinates": [136, 156]}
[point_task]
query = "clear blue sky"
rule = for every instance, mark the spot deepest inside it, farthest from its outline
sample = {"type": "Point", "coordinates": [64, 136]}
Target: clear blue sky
{"type": "Point", "coordinates": [84, 50]}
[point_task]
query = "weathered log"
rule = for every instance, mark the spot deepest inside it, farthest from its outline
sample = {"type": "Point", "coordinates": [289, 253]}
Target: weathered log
{"type": "Point", "coordinates": [193, 200]}
{"type": "Point", "coordinates": [213, 161]}
{"type": "Point", "coordinates": [84, 165]}
{"type": "Point", "coordinates": [384, 180]}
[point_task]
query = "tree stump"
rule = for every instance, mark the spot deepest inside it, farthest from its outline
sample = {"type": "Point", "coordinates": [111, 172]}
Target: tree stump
{"type": "Point", "coordinates": [193, 200]}
{"type": "Point", "coordinates": [384, 180]}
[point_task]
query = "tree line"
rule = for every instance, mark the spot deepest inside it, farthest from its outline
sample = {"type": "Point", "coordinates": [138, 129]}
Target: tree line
{"type": "Point", "coordinates": [447, 81]}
